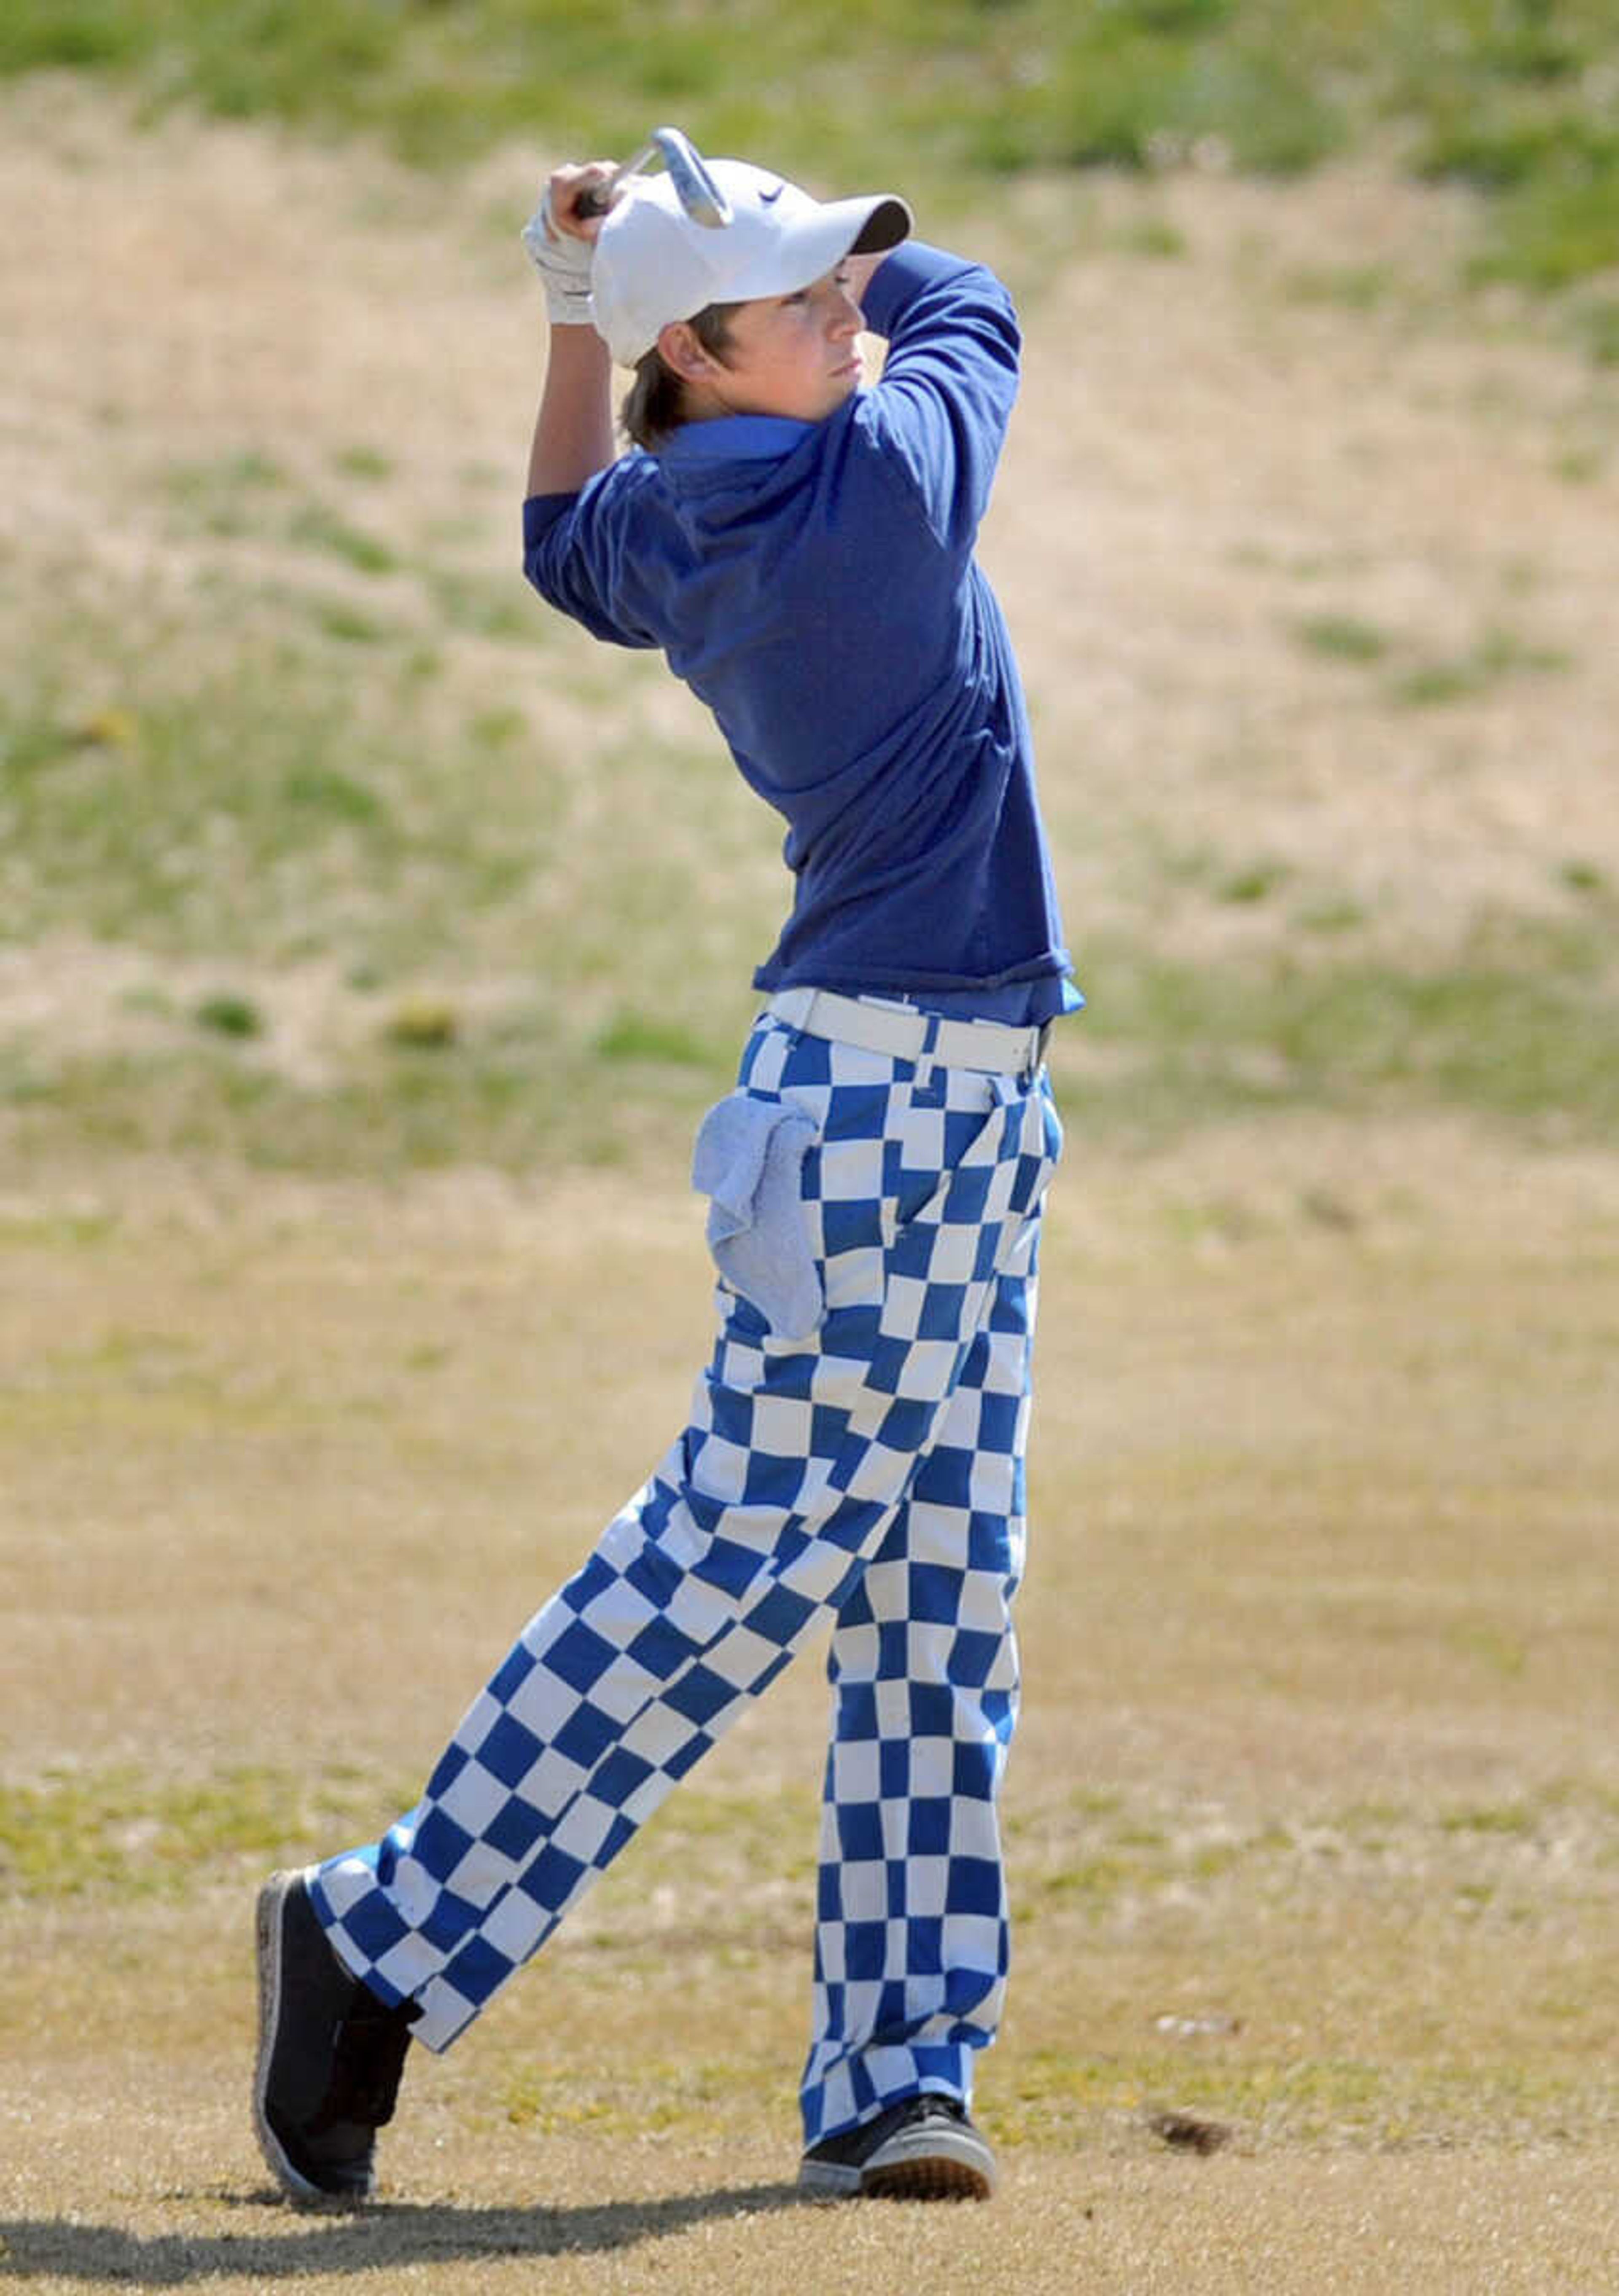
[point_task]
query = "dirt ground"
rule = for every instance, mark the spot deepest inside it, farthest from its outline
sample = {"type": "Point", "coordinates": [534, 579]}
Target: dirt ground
{"type": "Point", "coordinates": [1314, 1810]}
{"type": "Point", "coordinates": [1314, 1817]}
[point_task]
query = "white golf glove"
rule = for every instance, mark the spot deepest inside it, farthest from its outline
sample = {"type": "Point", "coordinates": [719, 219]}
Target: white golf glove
{"type": "Point", "coordinates": [563, 264]}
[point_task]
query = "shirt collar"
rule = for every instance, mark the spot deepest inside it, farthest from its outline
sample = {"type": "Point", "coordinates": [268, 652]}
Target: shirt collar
{"type": "Point", "coordinates": [735, 438]}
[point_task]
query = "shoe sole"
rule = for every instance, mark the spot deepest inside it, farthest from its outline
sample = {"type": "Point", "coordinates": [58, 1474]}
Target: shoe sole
{"type": "Point", "coordinates": [929, 2177]}
{"type": "Point", "coordinates": [268, 1926]}
{"type": "Point", "coordinates": [921, 2165]}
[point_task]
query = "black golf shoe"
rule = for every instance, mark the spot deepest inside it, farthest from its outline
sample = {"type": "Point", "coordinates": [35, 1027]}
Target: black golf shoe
{"type": "Point", "coordinates": [329, 2055]}
{"type": "Point", "coordinates": [925, 2148]}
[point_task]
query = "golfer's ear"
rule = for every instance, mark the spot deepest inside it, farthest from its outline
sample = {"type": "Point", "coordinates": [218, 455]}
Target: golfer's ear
{"type": "Point", "coordinates": [682, 353]}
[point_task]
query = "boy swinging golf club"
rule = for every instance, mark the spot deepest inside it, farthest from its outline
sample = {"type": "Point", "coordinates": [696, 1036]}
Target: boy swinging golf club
{"type": "Point", "coordinates": [801, 547]}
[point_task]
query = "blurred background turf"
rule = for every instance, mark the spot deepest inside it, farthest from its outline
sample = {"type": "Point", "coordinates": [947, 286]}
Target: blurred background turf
{"type": "Point", "coordinates": [328, 775]}
{"type": "Point", "coordinates": [1517, 97]}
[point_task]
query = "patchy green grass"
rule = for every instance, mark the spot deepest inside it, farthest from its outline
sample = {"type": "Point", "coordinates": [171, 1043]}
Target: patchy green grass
{"type": "Point", "coordinates": [1417, 679]}
{"type": "Point", "coordinates": [1520, 1024]}
{"type": "Point", "coordinates": [1132, 1887]}
{"type": "Point", "coordinates": [233, 795]}
{"type": "Point", "coordinates": [1520, 1027]}
{"type": "Point", "coordinates": [1498, 654]}
{"type": "Point", "coordinates": [1152, 237]}
{"type": "Point", "coordinates": [1247, 887]}
{"type": "Point", "coordinates": [1294, 1848]}
{"type": "Point", "coordinates": [1551, 165]}
{"type": "Point", "coordinates": [1512, 97]}
{"type": "Point", "coordinates": [318, 527]}
{"type": "Point", "coordinates": [533, 962]}
{"type": "Point", "coordinates": [1345, 286]}
{"type": "Point", "coordinates": [116, 1832]}
{"type": "Point", "coordinates": [229, 1015]}
{"type": "Point", "coordinates": [420, 1099]}
{"type": "Point", "coordinates": [1343, 638]}
{"type": "Point", "coordinates": [1597, 325]}
{"type": "Point", "coordinates": [636, 1036]}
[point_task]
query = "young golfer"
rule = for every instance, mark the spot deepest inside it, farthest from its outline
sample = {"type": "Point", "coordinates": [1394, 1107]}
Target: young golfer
{"type": "Point", "coordinates": [800, 545]}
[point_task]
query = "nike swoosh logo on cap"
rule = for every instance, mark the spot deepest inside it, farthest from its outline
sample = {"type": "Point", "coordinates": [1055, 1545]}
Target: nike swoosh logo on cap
{"type": "Point", "coordinates": [768, 199]}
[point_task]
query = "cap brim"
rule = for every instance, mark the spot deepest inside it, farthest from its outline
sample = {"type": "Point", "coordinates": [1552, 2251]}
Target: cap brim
{"type": "Point", "coordinates": [838, 228]}
{"type": "Point", "coordinates": [889, 222]}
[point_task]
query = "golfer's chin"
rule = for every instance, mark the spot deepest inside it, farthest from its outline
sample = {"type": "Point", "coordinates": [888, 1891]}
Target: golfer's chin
{"type": "Point", "coordinates": [807, 400]}
{"type": "Point", "coordinates": [841, 388]}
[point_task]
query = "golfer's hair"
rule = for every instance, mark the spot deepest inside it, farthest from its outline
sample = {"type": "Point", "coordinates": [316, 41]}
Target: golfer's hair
{"type": "Point", "coordinates": [654, 405]}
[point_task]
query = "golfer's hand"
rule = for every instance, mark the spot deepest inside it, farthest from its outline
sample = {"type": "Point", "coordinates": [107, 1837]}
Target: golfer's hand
{"type": "Point", "coordinates": [577, 199]}
{"type": "Point", "coordinates": [560, 238]}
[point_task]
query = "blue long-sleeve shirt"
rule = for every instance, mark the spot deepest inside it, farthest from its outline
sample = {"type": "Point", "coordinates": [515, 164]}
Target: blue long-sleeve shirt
{"type": "Point", "coordinates": [814, 585]}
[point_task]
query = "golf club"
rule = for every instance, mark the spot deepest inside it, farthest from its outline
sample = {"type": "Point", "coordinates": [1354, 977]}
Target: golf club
{"type": "Point", "coordinates": [695, 188]}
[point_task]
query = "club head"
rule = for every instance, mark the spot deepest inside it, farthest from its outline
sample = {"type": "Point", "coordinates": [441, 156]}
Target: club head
{"type": "Point", "coordinates": [698, 193]}
{"type": "Point", "coordinates": [695, 189]}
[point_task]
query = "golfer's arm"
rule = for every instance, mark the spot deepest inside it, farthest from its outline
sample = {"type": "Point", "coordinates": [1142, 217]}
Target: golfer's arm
{"type": "Point", "coordinates": [573, 434]}
{"type": "Point", "coordinates": [862, 269]}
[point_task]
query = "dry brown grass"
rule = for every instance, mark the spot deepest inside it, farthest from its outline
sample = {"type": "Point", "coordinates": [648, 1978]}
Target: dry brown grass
{"type": "Point", "coordinates": [1291, 424]}
{"type": "Point", "coordinates": [1221, 450]}
{"type": "Point", "coordinates": [1315, 1813]}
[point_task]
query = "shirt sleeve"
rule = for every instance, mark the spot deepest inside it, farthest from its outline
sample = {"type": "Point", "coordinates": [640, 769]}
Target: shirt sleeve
{"type": "Point", "coordinates": [948, 381]}
{"type": "Point", "coordinates": [573, 553]}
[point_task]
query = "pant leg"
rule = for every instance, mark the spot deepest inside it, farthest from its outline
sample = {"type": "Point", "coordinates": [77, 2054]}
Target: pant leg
{"type": "Point", "coordinates": [749, 1536]}
{"type": "Point", "coordinates": [912, 1934]}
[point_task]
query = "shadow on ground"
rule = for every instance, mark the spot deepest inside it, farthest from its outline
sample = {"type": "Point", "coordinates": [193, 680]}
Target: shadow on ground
{"type": "Point", "coordinates": [381, 2238]}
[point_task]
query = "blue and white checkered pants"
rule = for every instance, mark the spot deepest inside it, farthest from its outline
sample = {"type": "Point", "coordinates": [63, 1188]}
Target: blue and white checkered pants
{"type": "Point", "coordinates": [868, 1479]}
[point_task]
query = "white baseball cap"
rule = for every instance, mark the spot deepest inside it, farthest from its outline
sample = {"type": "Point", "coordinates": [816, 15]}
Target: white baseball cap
{"type": "Point", "coordinates": [653, 263]}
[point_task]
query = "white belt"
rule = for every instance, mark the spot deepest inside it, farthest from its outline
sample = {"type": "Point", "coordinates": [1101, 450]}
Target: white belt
{"type": "Point", "coordinates": [911, 1036]}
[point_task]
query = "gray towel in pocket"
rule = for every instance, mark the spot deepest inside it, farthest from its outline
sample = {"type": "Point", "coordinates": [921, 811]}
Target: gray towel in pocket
{"type": "Point", "coordinates": [749, 1162]}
